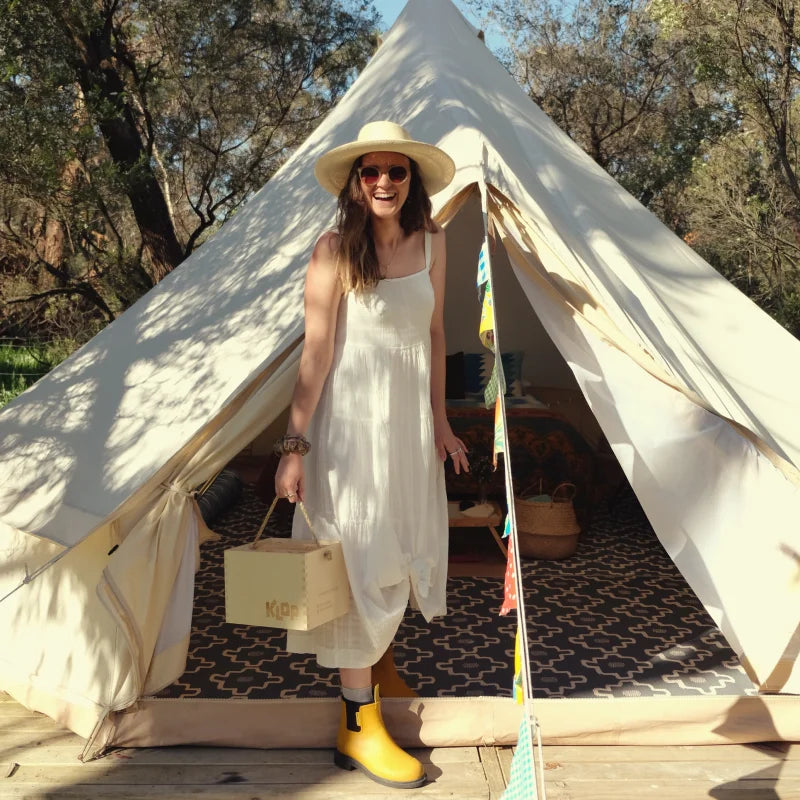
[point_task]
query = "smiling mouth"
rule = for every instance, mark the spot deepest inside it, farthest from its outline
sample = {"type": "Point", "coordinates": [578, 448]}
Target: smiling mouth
{"type": "Point", "coordinates": [384, 197]}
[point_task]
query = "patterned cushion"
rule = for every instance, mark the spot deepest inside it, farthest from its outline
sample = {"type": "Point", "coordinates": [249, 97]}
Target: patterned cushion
{"type": "Point", "coordinates": [512, 368]}
{"type": "Point", "coordinates": [478, 370]}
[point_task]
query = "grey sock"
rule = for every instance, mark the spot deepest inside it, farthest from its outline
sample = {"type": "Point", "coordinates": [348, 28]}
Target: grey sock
{"type": "Point", "coordinates": [358, 695]}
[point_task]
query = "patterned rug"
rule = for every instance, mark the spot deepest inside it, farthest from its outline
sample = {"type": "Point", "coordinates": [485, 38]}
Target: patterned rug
{"type": "Point", "coordinates": [616, 619]}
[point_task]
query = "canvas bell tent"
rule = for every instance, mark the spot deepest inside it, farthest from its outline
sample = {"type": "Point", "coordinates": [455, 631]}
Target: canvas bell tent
{"type": "Point", "coordinates": [696, 390]}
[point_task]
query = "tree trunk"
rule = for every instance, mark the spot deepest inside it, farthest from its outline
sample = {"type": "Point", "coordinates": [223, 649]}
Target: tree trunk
{"type": "Point", "coordinates": [99, 79]}
{"type": "Point", "coordinates": [50, 245]}
{"type": "Point", "coordinates": [50, 248]}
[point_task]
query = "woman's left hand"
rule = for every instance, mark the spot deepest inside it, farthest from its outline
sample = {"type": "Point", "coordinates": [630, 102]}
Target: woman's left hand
{"type": "Point", "coordinates": [448, 445]}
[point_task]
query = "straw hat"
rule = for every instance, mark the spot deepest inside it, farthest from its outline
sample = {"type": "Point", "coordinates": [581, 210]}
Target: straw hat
{"type": "Point", "coordinates": [435, 166]}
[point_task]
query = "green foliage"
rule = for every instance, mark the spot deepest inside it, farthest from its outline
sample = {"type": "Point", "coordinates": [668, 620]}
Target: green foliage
{"type": "Point", "coordinates": [191, 102]}
{"type": "Point", "coordinates": [21, 365]}
{"type": "Point", "coordinates": [744, 197]}
{"type": "Point", "coordinates": [603, 73]}
{"type": "Point", "coordinates": [693, 107]}
{"type": "Point", "coordinates": [741, 222]}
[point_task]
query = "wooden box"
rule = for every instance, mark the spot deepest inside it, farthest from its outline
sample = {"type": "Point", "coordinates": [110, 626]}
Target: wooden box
{"type": "Point", "coordinates": [285, 583]}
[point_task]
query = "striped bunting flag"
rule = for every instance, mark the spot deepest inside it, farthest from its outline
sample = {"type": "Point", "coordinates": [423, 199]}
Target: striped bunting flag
{"type": "Point", "coordinates": [483, 268]}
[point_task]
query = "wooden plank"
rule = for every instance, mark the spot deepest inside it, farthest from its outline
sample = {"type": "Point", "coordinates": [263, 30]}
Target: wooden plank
{"type": "Point", "coordinates": [29, 722]}
{"type": "Point", "coordinates": [763, 751]}
{"type": "Point", "coordinates": [364, 789]}
{"type": "Point", "coordinates": [210, 756]}
{"type": "Point", "coordinates": [42, 755]}
{"type": "Point", "coordinates": [715, 772]}
{"type": "Point", "coordinates": [128, 782]}
{"type": "Point", "coordinates": [42, 751]}
{"type": "Point", "coordinates": [675, 790]}
{"type": "Point", "coordinates": [367, 790]}
{"type": "Point", "coordinates": [53, 738]}
{"type": "Point", "coordinates": [493, 772]}
{"type": "Point", "coordinates": [116, 773]}
{"type": "Point", "coordinates": [504, 756]}
{"type": "Point", "coordinates": [189, 757]}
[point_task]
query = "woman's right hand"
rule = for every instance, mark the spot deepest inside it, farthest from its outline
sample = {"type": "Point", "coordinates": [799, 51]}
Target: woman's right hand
{"type": "Point", "coordinates": [290, 478]}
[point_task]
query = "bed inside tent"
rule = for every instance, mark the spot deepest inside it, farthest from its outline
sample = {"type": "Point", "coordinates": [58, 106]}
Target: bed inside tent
{"type": "Point", "coordinates": [621, 648]}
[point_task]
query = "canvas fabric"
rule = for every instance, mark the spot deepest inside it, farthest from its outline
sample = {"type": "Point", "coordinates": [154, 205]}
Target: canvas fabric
{"type": "Point", "coordinates": [690, 381]}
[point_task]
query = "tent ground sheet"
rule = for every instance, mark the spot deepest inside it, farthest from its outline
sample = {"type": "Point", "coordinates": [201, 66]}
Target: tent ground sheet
{"type": "Point", "coordinates": [617, 619]}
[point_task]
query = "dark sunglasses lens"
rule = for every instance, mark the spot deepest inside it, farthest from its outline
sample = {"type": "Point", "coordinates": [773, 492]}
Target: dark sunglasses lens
{"type": "Point", "coordinates": [397, 174]}
{"type": "Point", "coordinates": [369, 175]}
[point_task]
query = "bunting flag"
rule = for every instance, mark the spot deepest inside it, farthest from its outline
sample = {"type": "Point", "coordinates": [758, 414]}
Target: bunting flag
{"type": "Point", "coordinates": [522, 780]}
{"type": "Point", "coordinates": [510, 584]}
{"type": "Point", "coordinates": [483, 268]}
{"type": "Point", "coordinates": [499, 445]}
{"type": "Point", "coordinates": [509, 604]}
{"type": "Point", "coordinates": [486, 330]}
{"type": "Point", "coordinates": [496, 385]}
{"type": "Point", "coordinates": [519, 691]}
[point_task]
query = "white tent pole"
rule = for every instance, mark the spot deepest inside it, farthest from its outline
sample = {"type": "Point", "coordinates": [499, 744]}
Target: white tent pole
{"type": "Point", "coordinates": [509, 486]}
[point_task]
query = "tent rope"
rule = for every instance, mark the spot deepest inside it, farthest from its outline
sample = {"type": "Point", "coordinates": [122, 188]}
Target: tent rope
{"type": "Point", "coordinates": [177, 489]}
{"type": "Point", "coordinates": [29, 576]}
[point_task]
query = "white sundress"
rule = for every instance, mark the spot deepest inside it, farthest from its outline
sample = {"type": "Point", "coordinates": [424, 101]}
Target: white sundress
{"type": "Point", "coordinates": [373, 478]}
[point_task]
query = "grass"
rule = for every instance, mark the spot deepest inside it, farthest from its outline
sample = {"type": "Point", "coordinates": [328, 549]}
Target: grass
{"type": "Point", "coordinates": [21, 365]}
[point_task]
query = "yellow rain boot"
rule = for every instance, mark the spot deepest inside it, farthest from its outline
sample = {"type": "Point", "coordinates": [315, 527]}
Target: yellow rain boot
{"type": "Point", "coordinates": [384, 674]}
{"type": "Point", "coordinates": [364, 743]}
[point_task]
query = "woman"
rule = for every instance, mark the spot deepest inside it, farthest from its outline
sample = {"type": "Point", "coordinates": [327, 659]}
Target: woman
{"type": "Point", "coordinates": [368, 409]}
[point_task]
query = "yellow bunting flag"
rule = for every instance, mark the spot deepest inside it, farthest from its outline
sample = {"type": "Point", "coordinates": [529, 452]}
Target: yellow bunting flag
{"type": "Point", "coordinates": [519, 694]}
{"type": "Point", "coordinates": [499, 432]}
{"type": "Point", "coordinates": [486, 330]}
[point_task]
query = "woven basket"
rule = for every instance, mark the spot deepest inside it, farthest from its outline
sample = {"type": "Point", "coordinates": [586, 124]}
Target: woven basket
{"type": "Point", "coordinates": [548, 530]}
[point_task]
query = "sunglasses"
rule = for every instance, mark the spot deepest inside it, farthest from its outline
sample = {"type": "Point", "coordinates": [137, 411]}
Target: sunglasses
{"type": "Point", "coordinates": [370, 175]}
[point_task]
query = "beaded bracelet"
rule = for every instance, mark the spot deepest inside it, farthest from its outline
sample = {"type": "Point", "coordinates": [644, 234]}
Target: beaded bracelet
{"type": "Point", "coordinates": [292, 443]}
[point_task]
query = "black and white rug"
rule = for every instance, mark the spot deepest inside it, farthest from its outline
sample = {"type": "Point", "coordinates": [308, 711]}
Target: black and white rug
{"type": "Point", "coordinates": [615, 620]}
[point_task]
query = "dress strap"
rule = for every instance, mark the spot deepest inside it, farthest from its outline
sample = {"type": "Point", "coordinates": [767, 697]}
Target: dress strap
{"type": "Point", "coordinates": [428, 251]}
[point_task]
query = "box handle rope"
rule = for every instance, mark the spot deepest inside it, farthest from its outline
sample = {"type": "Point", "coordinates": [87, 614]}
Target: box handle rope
{"type": "Point", "coordinates": [269, 514]}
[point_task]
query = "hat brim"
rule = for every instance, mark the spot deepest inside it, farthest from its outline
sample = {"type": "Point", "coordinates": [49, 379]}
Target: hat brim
{"type": "Point", "coordinates": [436, 167]}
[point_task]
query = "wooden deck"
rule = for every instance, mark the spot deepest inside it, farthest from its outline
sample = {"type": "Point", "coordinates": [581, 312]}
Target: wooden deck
{"type": "Point", "coordinates": [39, 760]}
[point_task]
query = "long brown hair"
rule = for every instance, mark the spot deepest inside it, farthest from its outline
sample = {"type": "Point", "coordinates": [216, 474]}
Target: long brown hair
{"type": "Point", "coordinates": [357, 263]}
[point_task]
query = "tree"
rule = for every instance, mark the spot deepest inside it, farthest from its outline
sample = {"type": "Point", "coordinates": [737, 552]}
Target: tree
{"type": "Point", "coordinates": [748, 52]}
{"type": "Point", "coordinates": [689, 104]}
{"type": "Point", "coordinates": [134, 129]}
{"type": "Point", "coordinates": [745, 192]}
{"type": "Point", "coordinates": [740, 215]}
{"type": "Point", "coordinates": [601, 71]}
